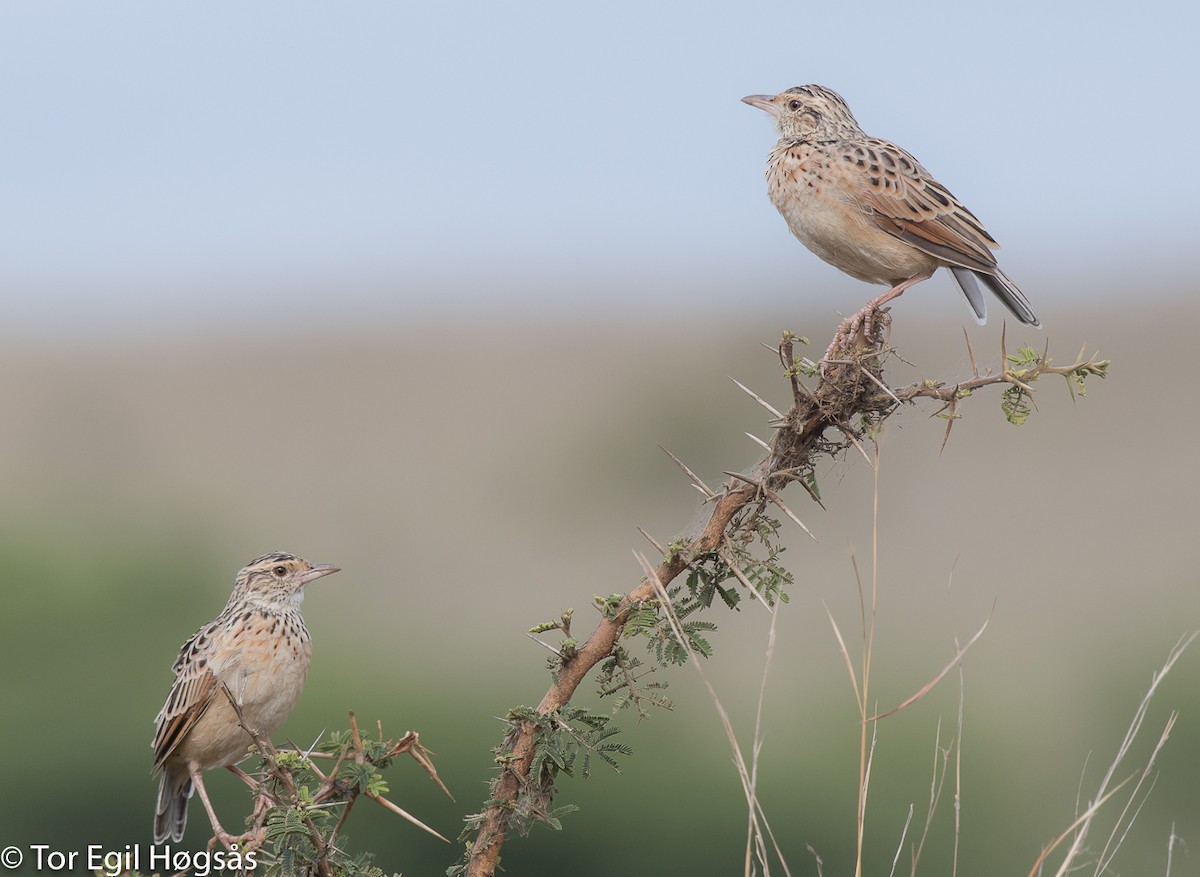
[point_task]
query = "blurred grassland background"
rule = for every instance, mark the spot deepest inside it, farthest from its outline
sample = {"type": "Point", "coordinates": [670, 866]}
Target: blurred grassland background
{"type": "Point", "coordinates": [419, 291]}
{"type": "Point", "coordinates": [472, 483]}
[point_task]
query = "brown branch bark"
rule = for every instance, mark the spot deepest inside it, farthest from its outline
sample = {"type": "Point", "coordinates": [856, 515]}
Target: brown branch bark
{"type": "Point", "coordinates": [848, 392]}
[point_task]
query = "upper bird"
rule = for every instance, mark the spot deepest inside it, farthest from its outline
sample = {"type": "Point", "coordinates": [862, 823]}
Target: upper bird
{"type": "Point", "coordinates": [869, 208]}
{"type": "Point", "coordinates": [257, 653]}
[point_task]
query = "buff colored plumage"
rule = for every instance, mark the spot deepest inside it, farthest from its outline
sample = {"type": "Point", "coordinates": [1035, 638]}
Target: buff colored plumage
{"type": "Point", "coordinates": [259, 649]}
{"type": "Point", "coordinates": [869, 208]}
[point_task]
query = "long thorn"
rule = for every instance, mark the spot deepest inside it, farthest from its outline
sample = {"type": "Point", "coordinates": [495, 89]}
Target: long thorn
{"type": "Point", "coordinates": [650, 539]}
{"type": "Point", "coordinates": [544, 644]}
{"type": "Point", "coordinates": [880, 384]}
{"type": "Point", "coordinates": [757, 398]}
{"type": "Point", "coordinates": [723, 553]}
{"type": "Point", "coordinates": [850, 435]}
{"type": "Point", "coordinates": [700, 485]}
{"type": "Point", "coordinates": [758, 441]}
{"type": "Point", "coordinates": [778, 501]}
{"type": "Point", "coordinates": [953, 406]}
{"type": "Point", "coordinates": [400, 811]}
{"type": "Point", "coordinates": [971, 354]}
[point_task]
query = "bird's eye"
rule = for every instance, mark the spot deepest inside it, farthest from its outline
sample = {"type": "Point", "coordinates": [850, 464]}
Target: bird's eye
{"type": "Point", "coordinates": [794, 105]}
{"type": "Point", "coordinates": [280, 571]}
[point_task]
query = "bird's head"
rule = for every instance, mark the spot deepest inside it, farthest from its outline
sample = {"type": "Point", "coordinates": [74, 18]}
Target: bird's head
{"type": "Point", "coordinates": [808, 112]}
{"type": "Point", "coordinates": [279, 578]}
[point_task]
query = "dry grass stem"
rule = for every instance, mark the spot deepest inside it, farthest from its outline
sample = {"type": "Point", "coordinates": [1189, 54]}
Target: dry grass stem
{"type": "Point", "coordinates": [1078, 830]}
{"type": "Point", "coordinates": [759, 830]}
{"type": "Point", "coordinates": [900, 844]}
{"type": "Point", "coordinates": [928, 686]}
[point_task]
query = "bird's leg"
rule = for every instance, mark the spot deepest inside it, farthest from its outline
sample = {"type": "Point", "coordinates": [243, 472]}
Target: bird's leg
{"type": "Point", "coordinates": [864, 320]}
{"type": "Point", "coordinates": [248, 840]}
{"type": "Point", "coordinates": [218, 832]}
{"type": "Point", "coordinates": [877, 303]}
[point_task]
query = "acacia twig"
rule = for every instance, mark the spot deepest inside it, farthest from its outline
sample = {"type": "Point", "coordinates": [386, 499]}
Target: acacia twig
{"type": "Point", "coordinates": [332, 790]}
{"type": "Point", "coordinates": [849, 401]}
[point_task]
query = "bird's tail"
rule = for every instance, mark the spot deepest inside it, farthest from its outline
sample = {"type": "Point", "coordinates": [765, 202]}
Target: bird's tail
{"type": "Point", "coordinates": [170, 814]}
{"type": "Point", "coordinates": [966, 282]}
{"type": "Point", "coordinates": [1003, 287]}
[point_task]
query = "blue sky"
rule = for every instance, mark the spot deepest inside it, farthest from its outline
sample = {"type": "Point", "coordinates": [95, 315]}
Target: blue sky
{"type": "Point", "coordinates": [220, 158]}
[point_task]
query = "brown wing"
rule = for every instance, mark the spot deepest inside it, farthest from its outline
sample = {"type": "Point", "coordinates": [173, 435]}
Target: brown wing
{"type": "Point", "coordinates": [191, 694]}
{"type": "Point", "coordinates": [906, 201]}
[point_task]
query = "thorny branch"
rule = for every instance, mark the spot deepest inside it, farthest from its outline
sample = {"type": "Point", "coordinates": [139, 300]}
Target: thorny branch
{"type": "Point", "coordinates": [278, 787]}
{"type": "Point", "coordinates": [849, 403]}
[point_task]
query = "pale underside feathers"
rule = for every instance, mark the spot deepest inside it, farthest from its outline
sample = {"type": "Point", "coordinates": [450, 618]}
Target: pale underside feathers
{"type": "Point", "coordinates": [868, 207]}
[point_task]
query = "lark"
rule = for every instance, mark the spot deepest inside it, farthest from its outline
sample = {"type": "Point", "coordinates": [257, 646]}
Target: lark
{"type": "Point", "coordinates": [870, 209]}
{"type": "Point", "coordinates": [256, 652]}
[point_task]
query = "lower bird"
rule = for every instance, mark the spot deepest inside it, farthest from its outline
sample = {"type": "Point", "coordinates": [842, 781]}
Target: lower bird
{"type": "Point", "coordinates": [256, 654]}
{"type": "Point", "coordinates": [870, 209]}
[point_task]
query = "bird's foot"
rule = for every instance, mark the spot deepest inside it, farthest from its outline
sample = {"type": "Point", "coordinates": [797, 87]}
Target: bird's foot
{"type": "Point", "coordinates": [224, 838]}
{"type": "Point", "coordinates": [244, 842]}
{"type": "Point", "coordinates": [875, 313]}
{"type": "Point", "coordinates": [857, 330]}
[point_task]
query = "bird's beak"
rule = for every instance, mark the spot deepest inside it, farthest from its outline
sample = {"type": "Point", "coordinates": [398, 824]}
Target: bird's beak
{"type": "Point", "coordinates": [318, 570]}
{"type": "Point", "coordinates": [763, 102]}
